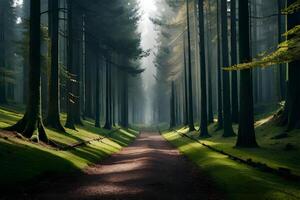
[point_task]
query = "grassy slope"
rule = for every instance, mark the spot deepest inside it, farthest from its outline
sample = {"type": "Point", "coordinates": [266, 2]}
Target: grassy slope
{"type": "Point", "coordinates": [271, 152]}
{"type": "Point", "coordinates": [238, 181]}
{"type": "Point", "coordinates": [21, 161]}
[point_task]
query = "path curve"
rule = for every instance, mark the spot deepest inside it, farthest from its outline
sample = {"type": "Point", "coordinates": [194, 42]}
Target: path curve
{"type": "Point", "coordinates": [150, 168]}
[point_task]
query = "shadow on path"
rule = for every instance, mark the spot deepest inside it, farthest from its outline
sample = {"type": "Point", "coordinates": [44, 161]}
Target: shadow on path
{"type": "Point", "coordinates": [149, 169]}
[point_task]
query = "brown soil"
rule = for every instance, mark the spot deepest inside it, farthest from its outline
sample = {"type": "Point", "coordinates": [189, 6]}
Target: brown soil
{"type": "Point", "coordinates": [150, 169]}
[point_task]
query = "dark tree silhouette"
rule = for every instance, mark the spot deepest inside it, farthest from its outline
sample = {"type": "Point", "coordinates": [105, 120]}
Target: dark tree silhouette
{"type": "Point", "coordinates": [190, 82]}
{"type": "Point", "coordinates": [228, 131]}
{"type": "Point", "coordinates": [234, 79]}
{"type": "Point", "coordinates": [53, 119]}
{"type": "Point", "coordinates": [32, 120]}
{"type": "Point", "coordinates": [203, 123]}
{"type": "Point", "coordinates": [246, 134]}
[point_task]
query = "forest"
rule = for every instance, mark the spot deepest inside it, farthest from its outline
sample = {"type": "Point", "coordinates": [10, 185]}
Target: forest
{"type": "Point", "coordinates": [150, 99]}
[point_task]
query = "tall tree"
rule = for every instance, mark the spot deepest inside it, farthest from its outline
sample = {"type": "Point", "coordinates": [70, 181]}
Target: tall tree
{"type": "Point", "coordinates": [209, 66]}
{"type": "Point", "coordinates": [186, 111]}
{"type": "Point", "coordinates": [2, 53]}
{"type": "Point", "coordinates": [203, 123]}
{"type": "Point", "coordinates": [53, 119]}
{"type": "Point", "coordinates": [108, 124]}
{"type": "Point", "coordinates": [290, 115]}
{"type": "Point", "coordinates": [246, 133]}
{"type": "Point", "coordinates": [71, 98]}
{"type": "Point", "coordinates": [97, 94]}
{"type": "Point", "coordinates": [172, 106]}
{"type": "Point", "coordinates": [190, 82]}
{"type": "Point", "coordinates": [234, 80]}
{"type": "Point", "coordinates": [219, 74]}
{"type": "Point", "coordinates": [282, 67]}
{"type": "Point", "coordinates": [32, 120]}
{"type": "Point", "coordinates": [228, 131]}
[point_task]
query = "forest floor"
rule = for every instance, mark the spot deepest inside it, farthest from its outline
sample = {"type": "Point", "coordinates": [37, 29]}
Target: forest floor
{"type": "Point", "coordinates": [150, 168]}
{"type": "Point", "coordinates": [239, 180]}
{"type": "Point", "coordinates": [24, 162]}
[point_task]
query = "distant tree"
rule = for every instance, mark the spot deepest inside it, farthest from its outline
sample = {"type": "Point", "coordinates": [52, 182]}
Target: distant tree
{"type": "Point", "coordinates": [190, 83]}
{"type": "Point", "coordinates": [97, 96]}
{"type": "Point", "coordinates": [71, 98]}
{"type": "Point", "coordinates": [204, 123]}
{"type": "Point", "coordinates": [172, 106]}
{"type": "Point", "coordinates": [228, 131]}
{"type": "Point", "coordinates": [186, 103]}
{"type": "Point", "coordinates": [108, 124]}
{"type": "Point", "coordinates": [32, 120]}
{"type": "Point", "coordinates": [3, 99]}
{"type": "Point", "coordinates": [219, 74]}
{"type": "Point", "coordinates": [234, 78]}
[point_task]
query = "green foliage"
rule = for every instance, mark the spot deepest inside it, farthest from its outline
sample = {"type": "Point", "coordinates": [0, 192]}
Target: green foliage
{"type": "Point", "coordinates": [294, 7]}
{"type": "Point", "coordinates": [287, 51]}
{"type": "Point", "coordinates": [23, 160]}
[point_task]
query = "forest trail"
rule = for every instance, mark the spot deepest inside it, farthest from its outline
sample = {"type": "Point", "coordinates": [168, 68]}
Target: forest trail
{"type": "Point", "coordinates": [150, 168]}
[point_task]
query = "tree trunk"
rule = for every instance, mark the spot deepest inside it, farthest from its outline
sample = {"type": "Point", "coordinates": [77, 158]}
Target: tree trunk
{"type": "Point", "coordinates": [97, 94]}
{"type": "Point", "coordinates": [291, 113]}
{"type": "Point", "coordinates": [234, 79]}
{"type": "Point", "coordinates": [282, 67]}
{"type": "Point", "coordinates": [107, 107]}
{"type": "Point", "coordinates": [219, 75]}
{"type": "Point", "coordinates": [190, 82]}
{"type": "Point", "coordinates": [70, 123]}
{"type": "Point", "coordinates": [53, 119]}
{"type": "Point", "coordinates": [209, 67]}
{"type": "Point", "coordinates": [172, 106]}
{"type": "Point", "coordinates": [246, 134]}
{"type": "Point", "coordinates": [32, 120]}
{"type": "Point", "coordinates": [228, 131]}
{"type": "Point", "coordinates": [2, 57]}
{"type": "Point", "coordinates": [203, 123]}
{"type": "Point", "coordinates": [186, 111]}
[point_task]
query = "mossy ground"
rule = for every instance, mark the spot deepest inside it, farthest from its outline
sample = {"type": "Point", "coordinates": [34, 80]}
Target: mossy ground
{"type": "Point", "coordinates": [238, 180]}
{"type": "Point", "coordinates": [21, 160]}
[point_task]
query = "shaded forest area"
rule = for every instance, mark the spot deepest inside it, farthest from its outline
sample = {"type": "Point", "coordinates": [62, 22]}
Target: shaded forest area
{"type": "Point", "coordinates": [226, 94]}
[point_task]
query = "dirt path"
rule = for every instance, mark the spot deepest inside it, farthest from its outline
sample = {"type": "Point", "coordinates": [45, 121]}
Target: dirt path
{"type": "Point", "coordinates": [149, 169]}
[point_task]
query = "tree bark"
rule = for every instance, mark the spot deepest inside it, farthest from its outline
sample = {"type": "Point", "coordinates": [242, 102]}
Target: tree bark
{"type": "Point", "coordinates": [53, 119]}
{"type": "Point", "coordinates": [107, 98]}
{"type": "Point", "coordinates": [186, 111]}
{"type": "Point", "coordinates": [2, 58]}
{"type": "Point", "coordinates": [219, 75]}
{"type": "Point", "coordinates": [172, 106]}
{"type": "Point", "coordinates": [190, 82]}
{"type": "Point", "coordinates": [246, 134]}
{"type": "Point", "coordinates": [234, 78]}
{"type": "Point", "coordinates": [97, 94]}
{"type": "Point", "coordinates": [32, 120]}
{"type": "Point", "coordinates": [228, 131]}
{"type": "Point", "coordinates": [70, 123]}
{"type": "Point", "coordinates": [203, 123]}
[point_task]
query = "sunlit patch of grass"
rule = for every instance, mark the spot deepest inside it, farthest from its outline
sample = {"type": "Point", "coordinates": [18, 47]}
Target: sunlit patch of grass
{"type": "Point", "coordinates": [271, 151]}
{"type": "Point", "coordinates": [22, 160]}
{"type": "Point", "coordinates": [236, 180]}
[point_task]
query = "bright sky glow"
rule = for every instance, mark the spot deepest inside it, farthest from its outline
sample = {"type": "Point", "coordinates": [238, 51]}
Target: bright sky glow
{"type": "Point", "coordinates": [17, 3]}
{"type": "Point", "coordinates": [149, 35]}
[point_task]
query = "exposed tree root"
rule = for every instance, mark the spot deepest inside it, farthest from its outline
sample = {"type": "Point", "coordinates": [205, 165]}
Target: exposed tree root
{"type": "Point", "coordinates": [27, 127]}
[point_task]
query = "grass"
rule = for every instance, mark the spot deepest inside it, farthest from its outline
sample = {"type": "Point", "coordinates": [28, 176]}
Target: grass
{"type": "Point", "coordinates": [271, 151]}
{"type": "Point", "coordinates": [22, 161]}
{"type": "Point", "coordinates": [237, 181]}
